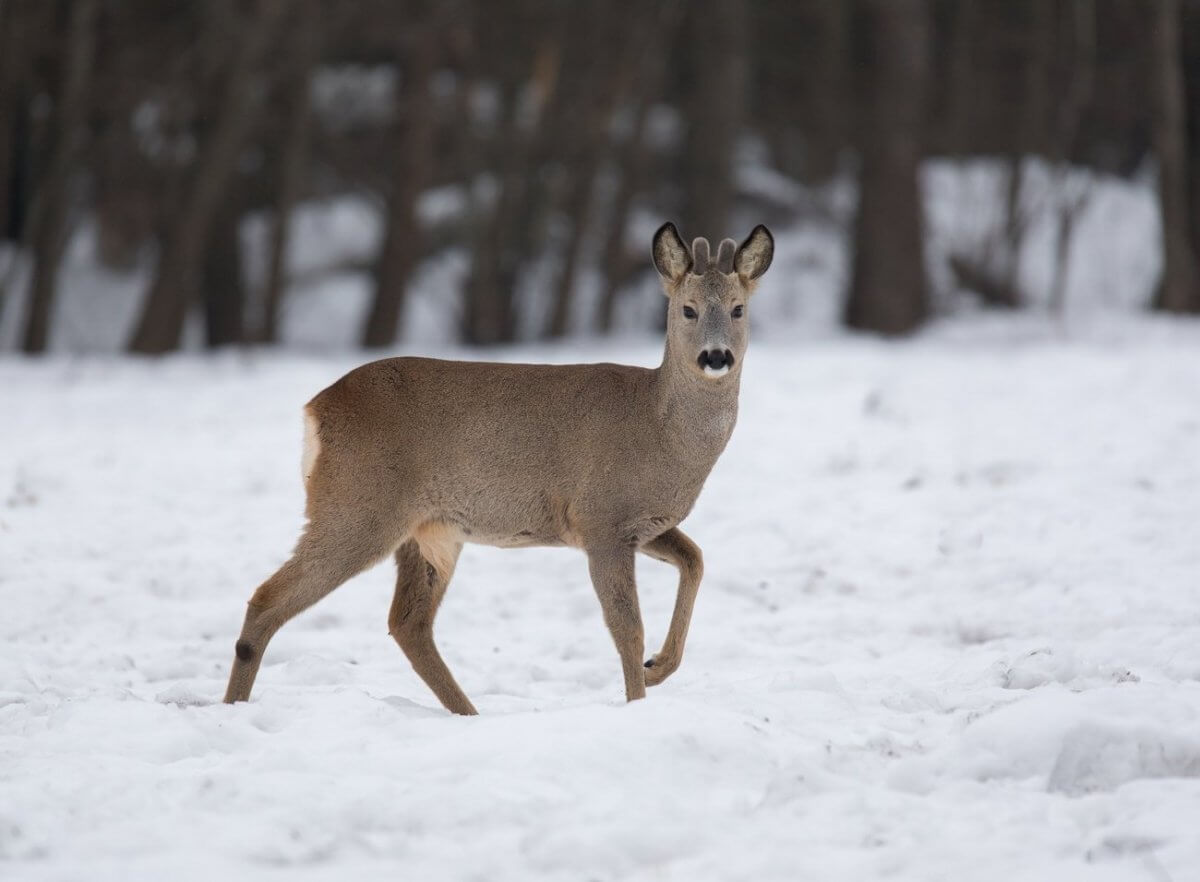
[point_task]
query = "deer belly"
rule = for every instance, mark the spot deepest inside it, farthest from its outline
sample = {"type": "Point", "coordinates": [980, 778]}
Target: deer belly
{"type": "Point", "coordinates": [516, 526]}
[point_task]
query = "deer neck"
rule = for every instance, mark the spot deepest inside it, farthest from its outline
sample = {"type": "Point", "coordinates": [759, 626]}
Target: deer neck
{"type": "Point", "coordinates": [697, 413]}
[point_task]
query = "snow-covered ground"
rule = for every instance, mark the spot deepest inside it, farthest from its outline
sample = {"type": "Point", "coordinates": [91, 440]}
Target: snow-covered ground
{"type": "Point", "coordinates": [949, 630]}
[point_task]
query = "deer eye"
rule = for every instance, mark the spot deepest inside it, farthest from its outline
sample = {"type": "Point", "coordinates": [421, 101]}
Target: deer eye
{"type": "Point", "coordinates": [689, 313]}
{"type": "Point", "coordinates": [738, 311]}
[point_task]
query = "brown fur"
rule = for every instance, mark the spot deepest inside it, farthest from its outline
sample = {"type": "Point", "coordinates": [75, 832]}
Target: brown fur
{"type": "Point", "coordinates": [413, 457]}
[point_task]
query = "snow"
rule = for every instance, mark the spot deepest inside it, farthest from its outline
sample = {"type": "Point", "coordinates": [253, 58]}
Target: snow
{"type": "Point", "coordinates": [949, 629]}
{"type": "Point", "coordinates": [1115, 253]}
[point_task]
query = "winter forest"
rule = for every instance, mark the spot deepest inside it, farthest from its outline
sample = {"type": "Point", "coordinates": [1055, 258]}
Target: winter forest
{"type": "Point", "coordinates": [940, 590]}
{"type": "Point", "coordinates": [181, 174]}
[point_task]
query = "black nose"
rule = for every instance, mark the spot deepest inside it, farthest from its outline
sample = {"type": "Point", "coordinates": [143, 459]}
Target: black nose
{"type": "Point", "coordinates": [715, 359]}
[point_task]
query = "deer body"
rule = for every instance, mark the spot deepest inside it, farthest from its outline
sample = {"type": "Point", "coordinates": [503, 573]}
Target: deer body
{"type": "Point", "coordinates": [514, 475]}
{"type": "Point", "coordinates": [413, 457]}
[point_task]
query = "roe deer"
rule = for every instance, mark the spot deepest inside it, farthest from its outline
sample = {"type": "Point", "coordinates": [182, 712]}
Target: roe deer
{"type": "Point", "coordinates": [412, 457]}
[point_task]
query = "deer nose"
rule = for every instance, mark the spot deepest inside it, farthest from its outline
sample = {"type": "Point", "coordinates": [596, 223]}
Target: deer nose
{"type": "Point", "coordinates": [715, 359]}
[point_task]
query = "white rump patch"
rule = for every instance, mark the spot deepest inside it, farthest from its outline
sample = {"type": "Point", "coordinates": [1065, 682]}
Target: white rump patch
{"type": "Point", "coordinates": [312, 446]}
{"type": "Point", "coordinates": [710, 371]}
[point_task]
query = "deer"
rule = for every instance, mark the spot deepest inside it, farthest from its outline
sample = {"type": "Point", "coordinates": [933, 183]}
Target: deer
{"type": "Point", "coordinates": [413, 457]}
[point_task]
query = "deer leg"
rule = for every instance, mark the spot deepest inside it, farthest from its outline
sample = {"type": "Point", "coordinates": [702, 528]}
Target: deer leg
{"type": "Point", "coordinates": [423, 572]}
{"type": "Point", "coordinates": [323, 560]}
{"type": "Point", "coordinates": [675, 548]}
{"type": "Point", "coordinates": [613, 578]}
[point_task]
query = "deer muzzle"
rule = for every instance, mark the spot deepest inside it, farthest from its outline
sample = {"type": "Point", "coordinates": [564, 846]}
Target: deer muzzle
{"type": "Point", "coordinates": [715, 362]}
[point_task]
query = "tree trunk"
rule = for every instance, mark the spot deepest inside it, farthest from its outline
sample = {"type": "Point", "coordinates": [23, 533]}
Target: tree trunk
{"type": "Point", "coordinates": [50, 226]}
{"type": "Point", "coordinates": [48, 242]}
{"type": "Point", "coordinates": [1013, 237]}
{"type": "Point", "coordinates": [123, 200]}
{"type": "Point", "coordinates": [632, 164]}
{"type": "Point", "coordinates": [833, 112]}
{"type": "Point", "coordinates": [578, 209]}
{"type": "Point", "coordinates": [632, 158]}
{"type": "Point", "coordinates": [10, 61]}
{"type": "Point", "coordinates": [716, 96]}
{"type": "Point", "coordinates": [504, 238]}
{"type": "Point", "coordinates": [177, 276]}
{"type": "Point", "coordinates": [1070, 199]}
{"type": "Point", "coordinates": [410, 176]}
{"type": "Point", "coordinates": [1179, 290]}
{"type": "Point", "coordinates": [224, 292]}
{"type": "Point", "coordinates": [889, 291]}
{"type": "Point", "coordinates": [1031, 134]}
{"type": "Point", "coordinates": [489, 316]}
{"type": "Point", "coordinates": [584, 141]}
{"type": "Point", "coordinates": [294, 162]}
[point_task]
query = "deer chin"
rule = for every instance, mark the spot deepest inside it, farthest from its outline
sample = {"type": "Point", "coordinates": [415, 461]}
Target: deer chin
{"type": "Point", "coordinates": [716, 373]}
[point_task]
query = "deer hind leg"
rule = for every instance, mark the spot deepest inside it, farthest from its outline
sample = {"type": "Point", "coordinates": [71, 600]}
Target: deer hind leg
{"type": "Point", "coordinates": [677, 549]}
{"type": "Point", "coordinates": [612, 574]}
{"type": "Point", "coordinates": [323, 560]}
{"type": "Point", "coordinates": [424, 566]}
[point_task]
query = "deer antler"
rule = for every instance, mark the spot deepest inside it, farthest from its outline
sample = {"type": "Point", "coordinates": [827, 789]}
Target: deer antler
{"type": "Point", "coordinates": [700, 255]}
{"type": "Point", "coordinates": [725, 256]}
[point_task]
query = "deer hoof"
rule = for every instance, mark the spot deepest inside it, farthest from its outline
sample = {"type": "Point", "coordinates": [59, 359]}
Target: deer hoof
{"type": "Point", "coordinates": [658, 669]}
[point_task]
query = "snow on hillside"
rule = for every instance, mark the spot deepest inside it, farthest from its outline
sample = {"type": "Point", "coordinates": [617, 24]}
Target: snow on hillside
{"type": "Point", "coordinates": [949, 629]}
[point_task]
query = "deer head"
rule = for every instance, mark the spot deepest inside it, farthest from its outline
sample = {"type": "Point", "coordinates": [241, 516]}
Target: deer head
{"type": "Point", "coordinates": [709, 309]}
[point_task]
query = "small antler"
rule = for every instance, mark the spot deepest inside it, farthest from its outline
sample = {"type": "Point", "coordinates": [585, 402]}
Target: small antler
{"type": "Point", "coordinates": [700, 255]}
{"type": "Point", "coordinates": [725, 253]}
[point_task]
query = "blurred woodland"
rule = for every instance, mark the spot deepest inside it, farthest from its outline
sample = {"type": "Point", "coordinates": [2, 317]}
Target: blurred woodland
{"type": "Point", "coordinates": [166, 123]}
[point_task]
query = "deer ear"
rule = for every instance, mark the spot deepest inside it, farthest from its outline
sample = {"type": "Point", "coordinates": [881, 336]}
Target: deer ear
{"type": "Point", "coordinates": [671, 257]}
{"type": "Point", "coordinates": [754, 255]}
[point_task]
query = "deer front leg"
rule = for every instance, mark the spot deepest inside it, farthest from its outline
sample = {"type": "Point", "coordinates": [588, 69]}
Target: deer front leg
{"type": "Point", "coordinates": [675, 548]}
{"type": "Point", "coordinates": [613, 578]}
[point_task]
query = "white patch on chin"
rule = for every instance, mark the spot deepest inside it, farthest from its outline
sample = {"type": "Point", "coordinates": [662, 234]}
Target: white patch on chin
{"type": "Point", "coordinates": [710, 371]}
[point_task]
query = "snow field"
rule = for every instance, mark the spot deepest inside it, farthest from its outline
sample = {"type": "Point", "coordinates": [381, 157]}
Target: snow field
{"type": "Point", "coordinates": [949, 629]}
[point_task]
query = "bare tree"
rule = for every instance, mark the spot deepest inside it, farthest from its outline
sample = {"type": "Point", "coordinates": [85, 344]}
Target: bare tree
{"type": "Point", "coordinates": [10, 108]}
{"type": "Point", "coordinates": [488, 316]}
{"type": "Point", "coordinates": [298, 82]}
{"type": "Point", "coordinates": [223, 291]}
{"type": "Point", "coordinates": [411, 174]}
{"type": "Point", "coordinates": [717, 41]}
{"type": "Point", "coordinates": [631, 158]}
{"type": "Point", "coordinates": [49, 221]}
{"type": "Point", "coordinates": [601, 80]}
{"type": "Point", "coordinates": [889, 291]}
{"type": "Point", "coordinates": [544, 115]}
{"type": "Point", "coordinates": [632, 165]}
{"type": "Point", "coordinates": [530, 96]}
{"type": "Point", "coordinates": [1180, 291]}
{"type": "Point", "coordinates": [1072, 198]}
{"type": "Point", "coordinates": [176, 278]}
